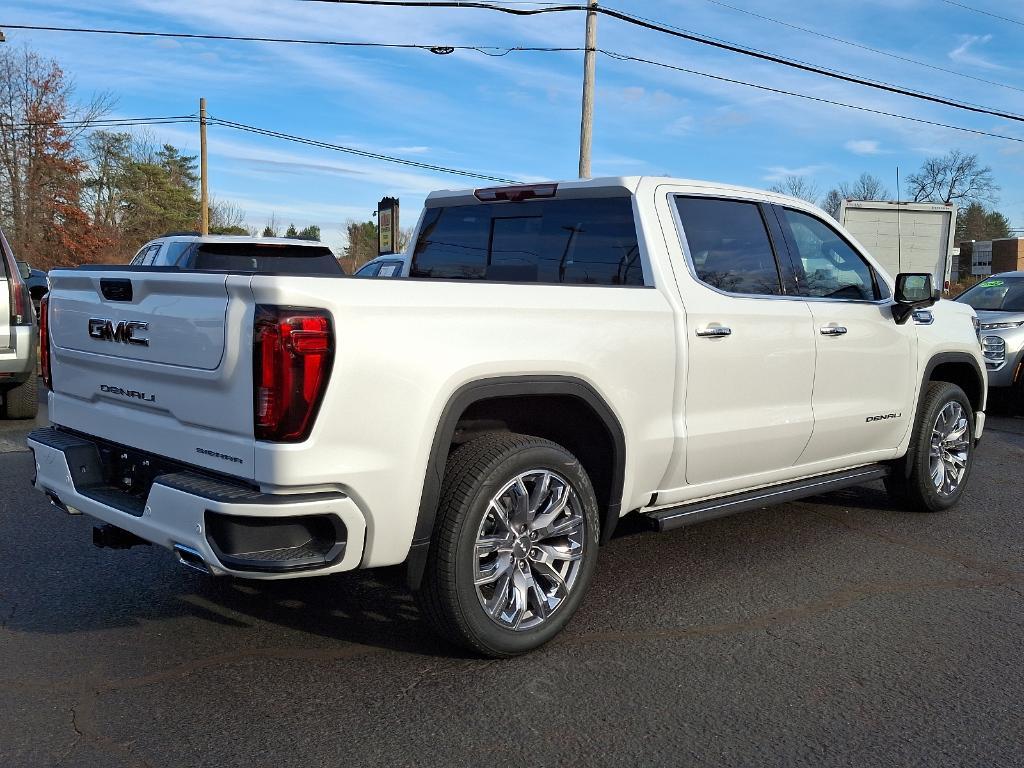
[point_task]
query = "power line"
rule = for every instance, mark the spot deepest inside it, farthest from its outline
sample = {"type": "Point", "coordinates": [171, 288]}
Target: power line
{"type": "Point", "coordinates": [112, 122]}
{"type": "Point", "coordinates": [354, 151]}
{"type": "Point", "coordinates": [503, 51]}
{"type": "Point", "coordinates": [490, 50]}
{"type": "Point", "coordinates": [862, 46]}
{"type": "Point", "coordinates": [551, 8]}
{"type": "Point", "coordinates": [694, 37]}
{"type": "Point", "coordinates": [178, 119]}
{"type": "Point", "coordinates": [986, 13]}
{"type": "Point", "coordinates": [722, 78]}
{"type": "Point", "coordinates": [838, 72]}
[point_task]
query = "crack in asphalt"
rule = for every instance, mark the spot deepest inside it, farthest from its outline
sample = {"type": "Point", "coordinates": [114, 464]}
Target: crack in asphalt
{"type": "Point", "coordinates": [82, 723]}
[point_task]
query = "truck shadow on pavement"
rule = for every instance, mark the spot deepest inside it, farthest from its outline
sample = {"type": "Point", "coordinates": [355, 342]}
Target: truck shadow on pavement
{"type": "Point", "coordinates": [55, 582]}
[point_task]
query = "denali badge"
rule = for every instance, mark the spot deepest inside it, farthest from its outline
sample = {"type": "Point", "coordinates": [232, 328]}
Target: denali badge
{"type": "Point", "coordinates": [884, 416]}
{"type": "Point", "coordinates": [128, 393]}
{"type": "Point", "coordinates": [124, 331]}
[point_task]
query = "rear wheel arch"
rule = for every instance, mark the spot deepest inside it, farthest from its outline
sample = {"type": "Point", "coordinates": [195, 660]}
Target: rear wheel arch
{"type": "Point", "coordinates": [585, 425]}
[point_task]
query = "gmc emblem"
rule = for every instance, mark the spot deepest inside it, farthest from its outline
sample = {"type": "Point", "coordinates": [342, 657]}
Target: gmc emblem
{"type": "Point", "coordinates": [123, 332]}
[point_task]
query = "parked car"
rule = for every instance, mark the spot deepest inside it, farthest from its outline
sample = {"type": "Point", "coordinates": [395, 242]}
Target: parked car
{"type": "Point", "coordinates": [383, 266]}
{"type": "Point", "coordinates": [999, 302]}
{"type": "Point", "coordinates": [566, 354]}
{"type": "Point", "coordinates": [18, 339]}
{"type": "Point", "coordinates": [238, 253]}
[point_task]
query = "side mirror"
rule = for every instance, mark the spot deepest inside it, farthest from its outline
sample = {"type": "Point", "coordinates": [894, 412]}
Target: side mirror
{"type": "Point", "coordinates": [913, 291]}
{"type": "Point", "coordinates": [25, 270]}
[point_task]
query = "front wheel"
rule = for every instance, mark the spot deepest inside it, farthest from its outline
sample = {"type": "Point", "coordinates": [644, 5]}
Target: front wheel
{"type": "Point", "coordinates": [933, 474]}
{"type": "Point", "coordinates": [514, 546]}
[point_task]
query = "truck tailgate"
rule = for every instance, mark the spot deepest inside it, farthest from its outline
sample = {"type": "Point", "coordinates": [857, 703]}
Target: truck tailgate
{"type": "Point", "coordinates": [159, 361]}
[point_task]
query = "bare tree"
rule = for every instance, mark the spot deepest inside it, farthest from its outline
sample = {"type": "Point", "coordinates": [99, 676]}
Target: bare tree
{"type": "Point", "coordinates": [226, 218]}
{"type": "Point", "coordinates": [833, 203]}
{"type": "Point", "coordinates": [866, 187]}
{"type": "Point", "coordinates": [956, 177]}
{"type": "Point", "coordinates": [797, 186]}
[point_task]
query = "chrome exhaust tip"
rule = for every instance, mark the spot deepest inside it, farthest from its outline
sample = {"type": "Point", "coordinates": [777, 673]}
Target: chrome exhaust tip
{"type": "Point", "coordinates": [191, 559]}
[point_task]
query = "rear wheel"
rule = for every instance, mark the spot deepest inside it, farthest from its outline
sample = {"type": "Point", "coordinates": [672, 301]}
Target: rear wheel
{"type": "Point", "coordinates": [933, 474]}
{"type": "Point", "coordinates": [514, 546]}
{"type": "Point", "coordinates": [22, 402]}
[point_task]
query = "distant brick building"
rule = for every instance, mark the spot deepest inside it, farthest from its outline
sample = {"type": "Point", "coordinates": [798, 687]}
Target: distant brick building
{"type": "Point", "coordinates": [989, 257]}
{"type": "Point", "coordinates": [1008, 254]}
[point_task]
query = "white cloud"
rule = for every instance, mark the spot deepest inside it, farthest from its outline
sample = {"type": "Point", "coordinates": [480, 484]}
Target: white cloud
{"type": "Point", "coordinates": [863, 147]}
{"type": "Point", "coordinates": [681, 126]}
{"type": "Point", "coordinates": [780, 172]}
{"type": "Point", "coordinates": [964, 54]}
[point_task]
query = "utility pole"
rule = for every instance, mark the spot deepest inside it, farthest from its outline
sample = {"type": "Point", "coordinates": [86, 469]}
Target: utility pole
{"type": "Point", "coordinates": [589, 72]}
{"type": "Point", "coordinates": [204, 195]}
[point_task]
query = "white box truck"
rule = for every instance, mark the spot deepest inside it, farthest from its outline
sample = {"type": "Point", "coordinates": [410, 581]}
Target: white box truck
{"type": "Point", "coordinates": [904, 237]}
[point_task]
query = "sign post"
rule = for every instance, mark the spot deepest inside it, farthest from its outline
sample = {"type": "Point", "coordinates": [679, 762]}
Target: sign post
{"type": "Point", "coordinates": [387, 226]}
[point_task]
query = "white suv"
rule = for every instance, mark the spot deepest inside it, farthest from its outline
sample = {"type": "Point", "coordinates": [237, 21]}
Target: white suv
{"type": "Point", "coordinates": [18, 340]}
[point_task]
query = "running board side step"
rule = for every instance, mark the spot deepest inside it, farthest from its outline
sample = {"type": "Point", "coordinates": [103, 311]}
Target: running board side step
{"type": "Point", "coordinates": [680, 516]}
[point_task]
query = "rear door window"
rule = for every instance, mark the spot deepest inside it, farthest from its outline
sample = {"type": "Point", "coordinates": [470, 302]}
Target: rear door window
{"type": "Point", "coordinates": [729, 245]}
{"type": "Point", "coordinates": [586, 241]}
{"type": "Point", "coordinates": [171, 254]}
{"type": "Point", "coordinates": [144, 258]}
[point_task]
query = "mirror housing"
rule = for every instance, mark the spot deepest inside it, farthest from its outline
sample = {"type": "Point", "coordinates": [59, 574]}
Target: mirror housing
{"type": "Point", "coordinates": [914, 290]}
{"type": "Point", "coordinates": [25, 270]}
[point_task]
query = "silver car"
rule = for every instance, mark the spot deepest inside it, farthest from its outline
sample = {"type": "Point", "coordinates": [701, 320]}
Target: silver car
{"type": "Point", "coordinates": [999, 302]}
{"type": "Point", "coordinates": [18, 339]}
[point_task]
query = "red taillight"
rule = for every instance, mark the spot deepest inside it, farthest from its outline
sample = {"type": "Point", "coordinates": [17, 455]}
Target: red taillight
{"type": "Point", "coordinates": [20, 300]}
{"type": "Point", "coordinates": [44, 341]}
{"type": "Point", "coordinates": [293, 349]}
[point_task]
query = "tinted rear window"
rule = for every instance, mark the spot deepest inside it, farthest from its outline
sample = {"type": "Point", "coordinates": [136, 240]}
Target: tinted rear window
{"type": "Point", "coordinates": [256, 257]}
{"type": "Point", "coordinates": [591, 241]}
{"type": "Point", "coordinates": [729, 245]}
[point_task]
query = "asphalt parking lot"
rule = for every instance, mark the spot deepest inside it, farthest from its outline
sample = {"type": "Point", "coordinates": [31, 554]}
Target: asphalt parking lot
{"type": "Point", "coordinates": [839, 631]}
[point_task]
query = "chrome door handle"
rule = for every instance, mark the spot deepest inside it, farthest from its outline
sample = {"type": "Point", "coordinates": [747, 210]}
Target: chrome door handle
{"type": "Point", "coordinates": [832, 330]}
{"type": "Point", "coordinates": [714, 331]}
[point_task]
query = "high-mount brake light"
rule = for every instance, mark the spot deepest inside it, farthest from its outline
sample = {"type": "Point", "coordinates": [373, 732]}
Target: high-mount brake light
{"type": "Point", "coordinates": [293, 350]}
{"type": "Point", "coordinates": [44, 341]}
{"type": "Point", "coordinates": [517, 193]}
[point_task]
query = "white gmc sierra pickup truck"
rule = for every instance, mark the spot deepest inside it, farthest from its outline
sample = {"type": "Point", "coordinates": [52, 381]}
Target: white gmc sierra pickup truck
{"type": "Point", "coordinates": [556, 356]}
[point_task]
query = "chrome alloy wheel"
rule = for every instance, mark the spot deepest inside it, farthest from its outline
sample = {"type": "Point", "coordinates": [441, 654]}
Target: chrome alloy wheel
{"type": "Point", "coordinates": [529, 549]}
{"type": "Point", "coordinates": [950, 446]}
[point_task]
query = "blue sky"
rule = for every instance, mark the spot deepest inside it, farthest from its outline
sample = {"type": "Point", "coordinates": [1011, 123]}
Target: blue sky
{"type": "Point", "coordinates": [517, 116]}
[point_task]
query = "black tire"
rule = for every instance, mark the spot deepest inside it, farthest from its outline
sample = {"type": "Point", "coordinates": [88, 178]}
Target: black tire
{"type": "Point", "coordinates": [22, 402]}
{"type": "Point", "coordinates": [475, 473]}
{"type": "Point", "coordinates": [911, 485]}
